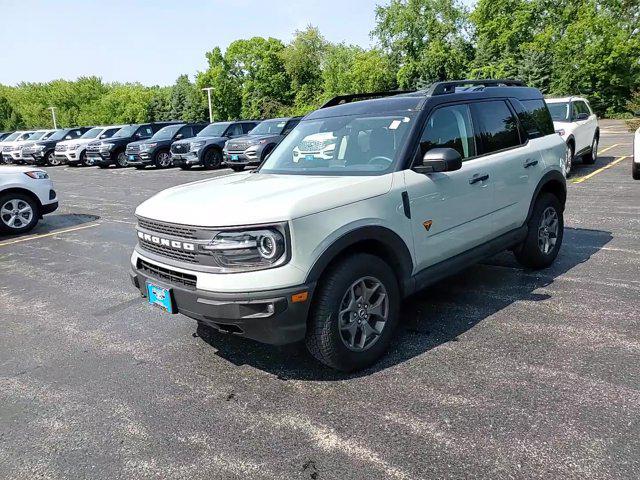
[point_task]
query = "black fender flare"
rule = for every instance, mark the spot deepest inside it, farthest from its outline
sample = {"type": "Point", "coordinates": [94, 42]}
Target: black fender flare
{"type": "Point", "coordinates": [381, 240]}
{"type": "Point", "coordinates": [550, 181]}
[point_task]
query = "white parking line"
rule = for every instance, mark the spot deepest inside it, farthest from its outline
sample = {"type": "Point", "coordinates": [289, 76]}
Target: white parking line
{"type": "Point", "coordinates": [44, 235]}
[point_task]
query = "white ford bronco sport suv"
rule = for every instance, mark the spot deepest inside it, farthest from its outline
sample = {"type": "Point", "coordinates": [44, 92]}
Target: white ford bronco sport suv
{"type": "Point", "coordinates": [420, 186]}
{"type": "Point", "coordinates": [576, 123]}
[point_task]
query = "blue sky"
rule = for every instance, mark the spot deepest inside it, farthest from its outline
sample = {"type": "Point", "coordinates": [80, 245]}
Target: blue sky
{"type": "Point", "coordinates": [155, 41]}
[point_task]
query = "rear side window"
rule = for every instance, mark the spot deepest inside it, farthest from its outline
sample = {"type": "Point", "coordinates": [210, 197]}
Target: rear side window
{"type": "Point", "coordinates": [497, 126]}
{"type": "Point", "coordinates": [581, 107]}
{"type": "Point", "coordinates": [186, 132]}
{"type": "Point", "coordinates": [536, 119]}
{"type": "Point", "coordinates": [450, 127]}
{"type": "Point", "coordinates": [145, 132]}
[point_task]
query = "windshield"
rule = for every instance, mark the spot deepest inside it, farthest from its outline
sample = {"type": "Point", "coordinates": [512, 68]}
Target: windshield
{"type": "Point", "coordinates": [57, 135]}
{"type": "Point", "coordinates": [37, 135]}
{"type": "Point", "coordinates": [213, 130]}
{"type": "Point", "coordinates": [559, 111]}
{"type": "Point", "coordinates": [12, 137]}
{"type": "Point", "coordinates": [353, 145]}
{"type": "Point", "coordinates": [126, 131]}
{"type": "Point", "coordinates": [93, 133]}
{"type": "Point", "coordinates": [269, 127]}
{"type": "Point", "coordinates": [166, 133]}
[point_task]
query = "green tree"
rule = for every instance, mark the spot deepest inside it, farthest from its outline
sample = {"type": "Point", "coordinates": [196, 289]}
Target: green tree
{"type": "Point", "coordinates": [428, 39]}
{"type": "Point", "coordinates": [226, 94]}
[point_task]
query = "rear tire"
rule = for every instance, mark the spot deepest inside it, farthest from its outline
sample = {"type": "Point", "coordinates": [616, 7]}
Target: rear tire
{"type": "Point", "coordinates": [591, 157]}
{"type": "Point", "coordinates": [19, 213]}
{"type": "Point", "coordinates": [544, 237]}
{"type": "Point", "coordinates": [569, 159]}
{"type": "Point", "coordinates": [354, 313]}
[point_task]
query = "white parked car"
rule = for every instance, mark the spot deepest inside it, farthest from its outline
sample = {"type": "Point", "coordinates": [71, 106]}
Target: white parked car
{"type": "Point", "coordinates": [9, 144]}
{"type": "Point", "coordinates": [26, 194]}
{"type": "Point", "coordinates": [73, 152]}
{"type": "Point", "coordinates": [12, 153]}
{"type": "Point", "coordinates": [635, 165]}
{"type": "Point", "coordinates": [576, 123]}
{"type": "Point", "coordinates": [420, 186]}
{"type": "Point", "coordinates": [319, 147]}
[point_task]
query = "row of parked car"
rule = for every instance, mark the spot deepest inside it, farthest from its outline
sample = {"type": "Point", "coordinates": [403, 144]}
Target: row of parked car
{"type": "Point", "coordinates": [236, 144]}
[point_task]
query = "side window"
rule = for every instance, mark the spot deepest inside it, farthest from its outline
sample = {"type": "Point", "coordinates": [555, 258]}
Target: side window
{"type": "Point", "coordinates": [496, 125]}
{"type": "Point", "coordinates": [450, 127]}
{"type": "Point", "coordinates": [290, 126]}
{"type": "Point", "coordinates": [583, 108]}
{"type": "Point", "coordinates": [535, 118]}
{"type": "Point", "coordinates": [247, 127]}
{"type": "Point", "coordinates": [185, 132]}
{"type": "Point", "coordinates": [235, 129]}
{"type": "Point", "coordinates": [144, 132]}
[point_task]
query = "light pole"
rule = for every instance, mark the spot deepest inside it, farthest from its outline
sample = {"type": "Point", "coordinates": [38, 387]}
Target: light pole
{"type": "Point", "coordinates": [53, 114]}
{"type": "Point", "coordinates": [208, 90]}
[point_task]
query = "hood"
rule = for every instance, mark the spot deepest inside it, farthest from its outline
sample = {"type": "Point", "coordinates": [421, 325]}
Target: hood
{"type": "Point", "coordinates": [12, 169]}
{"type": "Point", "coordinates": [77, 141]}
{"type": "Point", "coordinates": [199, 139]}
{"type": "Point", "coordinates": [253, 198]}
{"type": "Point", "coordinates": [252, 139]}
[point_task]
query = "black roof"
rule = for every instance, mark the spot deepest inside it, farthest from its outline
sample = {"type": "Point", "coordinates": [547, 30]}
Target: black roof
{"type": "Point", "coordinates": [439, 92]}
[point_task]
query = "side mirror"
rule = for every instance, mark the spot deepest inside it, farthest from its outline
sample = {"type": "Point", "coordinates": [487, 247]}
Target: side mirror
{"type": "Point", "coordinates": [179, 136]}
{"type": "Point", "coordinates": [582, 116]}
{"type": "Point", "coordinates": [439, 160]}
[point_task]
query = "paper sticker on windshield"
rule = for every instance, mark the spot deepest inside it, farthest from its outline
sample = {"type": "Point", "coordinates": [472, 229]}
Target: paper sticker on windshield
{"type": "Point", "coordinates": [394, 125]}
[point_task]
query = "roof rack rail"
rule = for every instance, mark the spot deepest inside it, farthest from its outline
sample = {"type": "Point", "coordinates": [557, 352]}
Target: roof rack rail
{"type": "Point", "coordinates": [354, 97]}
{"type": "Point", "coordinates": [441, 88]}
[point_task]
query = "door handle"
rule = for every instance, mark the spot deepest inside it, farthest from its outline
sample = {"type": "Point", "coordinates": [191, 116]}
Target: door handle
{"type": "Point", "coordinates": [530, 163]}
{"type": "Point", "coordinates": [479, 177]}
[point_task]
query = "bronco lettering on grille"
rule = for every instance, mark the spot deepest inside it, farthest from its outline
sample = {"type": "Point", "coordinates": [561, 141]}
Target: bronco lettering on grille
{"type": "Point", "coordinates": [165, 242]}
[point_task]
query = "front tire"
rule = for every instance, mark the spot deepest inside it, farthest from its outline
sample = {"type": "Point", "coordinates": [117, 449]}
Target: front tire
{"type": "Point", "coordinates": [121, 160]}
{"type": "Point", "coordinates": [354, 313]}
{"type": "Point", "coordinates": [237, 168]}
{"type": "Point", "coordinates": [163, 159]}
{"type": "Point", "coordinates": [545, 232]}
{"type": "Point", "coordinates": [591, 157]}
{"type": "Point", "coordinates": [212, 159]}
{"type": "Point", "coordinates": [18, 213]}
{"type": "Point", "coordinates": [51, 159]}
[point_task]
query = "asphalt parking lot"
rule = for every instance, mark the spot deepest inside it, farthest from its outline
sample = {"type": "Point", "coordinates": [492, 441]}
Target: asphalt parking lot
{"type": "Point", "coordinates": [497, 373]}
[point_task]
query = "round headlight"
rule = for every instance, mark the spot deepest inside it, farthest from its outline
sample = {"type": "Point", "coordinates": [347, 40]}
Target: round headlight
{"type": "Point", "coordinates": [270, 245]}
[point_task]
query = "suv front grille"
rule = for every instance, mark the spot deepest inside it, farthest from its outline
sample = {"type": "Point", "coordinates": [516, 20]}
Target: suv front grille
{"type": "Point", "coordinates": [180, 148]}
{"type": "Point", "coordinates": [61, 148]}
{"type": "Point", "coordinates": [238, 146]}
{"type": "Point", "coordinates": [167, 274]}
{"type": "Point", "coordinates": [132, 149]}
{"type": "Point", "coordinates": [181, 255]}
{"type": "Point", "coordinates": [168, 228]}
{"type": "Point", "coordinates": [93, 148]}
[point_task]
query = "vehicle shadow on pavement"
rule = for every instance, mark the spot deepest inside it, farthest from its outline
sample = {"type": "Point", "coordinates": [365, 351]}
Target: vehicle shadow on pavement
{"type": "Point", "coordinates": [54, 222]}
{"type": "Point", "coordinates": [580, 169]}
{"type": "Point", "coordinates": [433, 317]}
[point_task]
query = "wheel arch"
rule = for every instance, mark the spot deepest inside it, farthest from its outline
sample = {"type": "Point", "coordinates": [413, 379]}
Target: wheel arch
{"type": "Point", "coordinates": [376, 240]}
{"type": "Point", "coordinates": [552, 182]}
{"type": "Point", "coordinates": [26, 192]}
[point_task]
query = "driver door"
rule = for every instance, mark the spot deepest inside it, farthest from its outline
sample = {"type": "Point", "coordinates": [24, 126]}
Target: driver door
{"type": "Point", "coordinates": [450, 211]}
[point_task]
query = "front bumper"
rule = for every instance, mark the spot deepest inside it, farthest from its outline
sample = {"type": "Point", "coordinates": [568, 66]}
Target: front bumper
{"type": "Point", "coordinates": [96, 158]}
{"type": "Point", "coordinates": [69, 156]}
{"type": "Point", "coordinates": [189, 158]}
{"type": "Point", "coordinates": [269, 316]}
{"type": "Point", "coordinates": [142, 158]}
{"type": "Point", "coordinates": [11, 157]}
{"type": "Point", "coordinates": [49, 207]}
{"type": "Point", "coordinates": [240, 158]}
